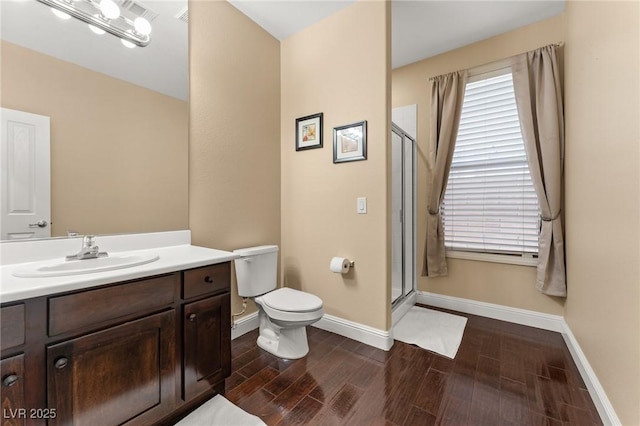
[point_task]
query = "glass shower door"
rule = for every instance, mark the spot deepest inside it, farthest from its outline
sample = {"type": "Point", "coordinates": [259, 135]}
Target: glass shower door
{"type": "Point", "coordinates": [402, 215]}
{"type": "Point", "coordinates": [397, 242]}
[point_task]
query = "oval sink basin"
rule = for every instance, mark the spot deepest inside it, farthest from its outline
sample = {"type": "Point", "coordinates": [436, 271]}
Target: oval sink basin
{"type": "Point", "coordinates": [62, 268]}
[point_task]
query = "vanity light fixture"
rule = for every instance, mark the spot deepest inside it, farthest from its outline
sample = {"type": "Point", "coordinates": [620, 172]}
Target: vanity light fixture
{"type": "Point", "coordinates": [105, 16]}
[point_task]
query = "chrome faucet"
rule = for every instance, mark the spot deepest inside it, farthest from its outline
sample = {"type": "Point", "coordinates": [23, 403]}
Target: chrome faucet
{"type": "Point", "coordinates": [89, 250]}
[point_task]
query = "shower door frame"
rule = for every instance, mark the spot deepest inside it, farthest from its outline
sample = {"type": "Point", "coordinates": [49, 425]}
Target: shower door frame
{"type": "Point", "coordinates": [408, 226]}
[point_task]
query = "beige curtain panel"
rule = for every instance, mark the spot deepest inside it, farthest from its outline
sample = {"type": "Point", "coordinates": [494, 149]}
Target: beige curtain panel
{"type": "Point", "coordinates": [447, 94]}
{"type": "Point", "coordinates": [536, 80]}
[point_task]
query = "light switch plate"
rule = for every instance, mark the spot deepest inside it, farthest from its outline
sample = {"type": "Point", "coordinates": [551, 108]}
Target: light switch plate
{"type": "Point", "coordinates": [362, 205]}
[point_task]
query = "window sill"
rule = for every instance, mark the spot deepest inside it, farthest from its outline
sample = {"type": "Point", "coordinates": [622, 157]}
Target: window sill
{"type": "Point", "coordinates": [495, 258]}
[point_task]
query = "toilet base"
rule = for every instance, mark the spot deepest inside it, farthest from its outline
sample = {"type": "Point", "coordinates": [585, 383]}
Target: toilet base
{"type": "Point", "coordinates": [286, 343]}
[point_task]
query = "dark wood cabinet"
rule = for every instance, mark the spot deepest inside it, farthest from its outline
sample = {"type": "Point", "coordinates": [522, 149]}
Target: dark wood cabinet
{"type": "Point", "coordinates": [206, 362]}
{"type": "Point", "coordinates": [121, 375]}
{"type": "Point", "coordinates": [134, 353]}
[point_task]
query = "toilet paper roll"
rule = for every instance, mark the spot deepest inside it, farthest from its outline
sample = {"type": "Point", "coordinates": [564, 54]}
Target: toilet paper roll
{"type": "Point", "coordinates": [340, 265]}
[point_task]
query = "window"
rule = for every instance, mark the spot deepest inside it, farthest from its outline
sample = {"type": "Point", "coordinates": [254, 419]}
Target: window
{"type": "Point", "coordinates": [490, 205]}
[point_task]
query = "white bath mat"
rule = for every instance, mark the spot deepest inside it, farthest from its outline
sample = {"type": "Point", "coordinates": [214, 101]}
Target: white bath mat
{"type": "Point", "coordinates": [218, 411]}
{"type": "Point", "coordinates": [432, 330]}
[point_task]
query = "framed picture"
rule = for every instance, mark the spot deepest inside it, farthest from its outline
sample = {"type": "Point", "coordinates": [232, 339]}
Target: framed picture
{"type": "Point", "coordinates": [309, 132]}
{"type": "Point", "coordinates": [350, 142]}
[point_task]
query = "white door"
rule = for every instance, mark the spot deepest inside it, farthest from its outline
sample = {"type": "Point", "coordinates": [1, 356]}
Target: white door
{"type": "Point", "coordinates": [25, 180]}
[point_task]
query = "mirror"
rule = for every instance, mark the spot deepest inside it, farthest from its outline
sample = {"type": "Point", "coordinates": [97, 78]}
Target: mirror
{"type": "Point", "coordinates": [118, 116]}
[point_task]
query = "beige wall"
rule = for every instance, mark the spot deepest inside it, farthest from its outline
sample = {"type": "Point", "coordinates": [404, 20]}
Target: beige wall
{"type": "Point", "coordinates": [338, 66]}
{"type": "Point", "coordinates": [602, 176]}
{"type": "Point", "coordinates": [118, 151]}
{"type": "Point", "coordinates": [501, 284]}
{"type": "Point", "coordinates": [234, 157]}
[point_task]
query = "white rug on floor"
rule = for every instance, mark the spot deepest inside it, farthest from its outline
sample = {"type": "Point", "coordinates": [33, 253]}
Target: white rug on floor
{"type": "Point", "coordinates": [435, 331]}
{"type": "Point", "coordinates": [218, 411]}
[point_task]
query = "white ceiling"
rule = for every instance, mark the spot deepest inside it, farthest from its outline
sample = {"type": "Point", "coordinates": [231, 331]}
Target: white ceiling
{"type": "Point", "coordinates": [420, 29]}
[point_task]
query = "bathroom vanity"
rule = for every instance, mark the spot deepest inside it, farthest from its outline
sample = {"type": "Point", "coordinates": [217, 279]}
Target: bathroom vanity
{"type": "Point", "coordinates": [141, 345]}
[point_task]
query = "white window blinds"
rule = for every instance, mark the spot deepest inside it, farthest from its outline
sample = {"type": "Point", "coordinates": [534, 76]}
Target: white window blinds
{"type": "Point", "coordinates": [490, 205]}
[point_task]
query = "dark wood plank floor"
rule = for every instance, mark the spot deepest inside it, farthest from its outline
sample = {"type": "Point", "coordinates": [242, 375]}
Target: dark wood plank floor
{"type": "Point", "coordinates": [503, 374]}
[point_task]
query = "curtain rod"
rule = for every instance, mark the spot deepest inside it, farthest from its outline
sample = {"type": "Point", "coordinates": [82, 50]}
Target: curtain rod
{"type": "Point", "coordinates": [557, 44]}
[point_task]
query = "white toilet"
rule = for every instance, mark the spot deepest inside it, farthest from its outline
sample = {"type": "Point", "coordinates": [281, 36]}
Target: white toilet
{"type": "Point", "coordinates": [284, 313]}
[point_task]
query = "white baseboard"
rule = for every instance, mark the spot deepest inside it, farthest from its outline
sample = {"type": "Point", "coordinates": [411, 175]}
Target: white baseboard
{"type": "Point", "coordinates": [362, 333]}
{"type": "Point", "coordinates": [244, 325]}
{"type": "Point", "coordinates": [490, 310]}
{"type": "Point", "coordinates": [597, 393]}
{"type": "Point", "coordinates": [539, 320]}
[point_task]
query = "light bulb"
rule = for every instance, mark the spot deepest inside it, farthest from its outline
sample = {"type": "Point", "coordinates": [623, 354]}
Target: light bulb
{"type": "Point", "coordinates": [127, 43]}
{"type": "Point", "coordinates": [109, 9]}
{"type": "Point", "coordinates": [142, 26]}
{"type": "Point", "coordinates": [60, 14]}
{"type": "Point", "coordinates": [96, 30]}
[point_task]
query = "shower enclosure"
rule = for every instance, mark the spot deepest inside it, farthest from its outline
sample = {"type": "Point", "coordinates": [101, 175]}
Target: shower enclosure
{"type": "Point", "coordinates": [403, 249]}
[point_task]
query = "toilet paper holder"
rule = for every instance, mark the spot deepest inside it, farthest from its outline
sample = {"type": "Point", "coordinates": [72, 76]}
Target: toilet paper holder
{"type": "Point", "coordinates": [341, 265]}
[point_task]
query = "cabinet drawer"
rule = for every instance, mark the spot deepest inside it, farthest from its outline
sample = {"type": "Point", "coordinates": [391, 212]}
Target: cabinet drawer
{"type": "Point", "coordinates": [12, 323]}
{"type": "Point", "coordinates": [106, 305]}
{"type": "Point", "coordinates": [206, 280]}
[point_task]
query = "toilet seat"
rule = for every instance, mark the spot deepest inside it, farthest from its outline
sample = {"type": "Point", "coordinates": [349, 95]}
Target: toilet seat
{"type": "Point", "coordinates": [295, 306]}
{"type": "Point", "coordinates": [290, 300]}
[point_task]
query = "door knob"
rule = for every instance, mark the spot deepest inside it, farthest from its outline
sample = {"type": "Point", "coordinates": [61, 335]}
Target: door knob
{"type": "Point", "coordinates": [39, 224]}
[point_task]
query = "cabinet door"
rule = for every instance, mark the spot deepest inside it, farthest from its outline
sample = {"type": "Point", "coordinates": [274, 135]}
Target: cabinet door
{"type": "Point", "coordinates": [207, 344]}
{"type": "Point", "coordinates": [121, 375]}
{"type": "Point", "coordinates": [13, 402]}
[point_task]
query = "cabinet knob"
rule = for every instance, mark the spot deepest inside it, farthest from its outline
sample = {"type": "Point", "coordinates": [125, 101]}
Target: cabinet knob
{"type": "Point", "coordinates": [61, 363]}
{"type": "Point", "coordinates": [208, 279]}
{"type": "Point", "coordinates": [10, 380]}
{"type": "Point", "coordinates": [192, 317]}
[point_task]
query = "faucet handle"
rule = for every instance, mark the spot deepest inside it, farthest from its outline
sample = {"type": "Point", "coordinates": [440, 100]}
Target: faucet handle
{"type": "Point", "coordinates": [88, 240]}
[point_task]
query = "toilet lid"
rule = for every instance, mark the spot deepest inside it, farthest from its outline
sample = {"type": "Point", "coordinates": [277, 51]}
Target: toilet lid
{"type": "Point", "coordinates": [288, 299]}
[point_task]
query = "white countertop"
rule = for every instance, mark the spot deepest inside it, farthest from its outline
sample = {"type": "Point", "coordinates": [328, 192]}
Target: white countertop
{"type": "Point", "coordinates": [171, 258]}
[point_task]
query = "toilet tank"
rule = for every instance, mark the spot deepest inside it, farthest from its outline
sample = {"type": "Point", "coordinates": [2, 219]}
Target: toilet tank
{"type": "Point", "coordinates": [256, 270]}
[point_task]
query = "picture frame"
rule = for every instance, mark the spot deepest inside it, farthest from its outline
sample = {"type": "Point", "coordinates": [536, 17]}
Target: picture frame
{"type": "Point", "coordinates": [309, 132]}
{"type": "Point", "coordinates": [350, 142]}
